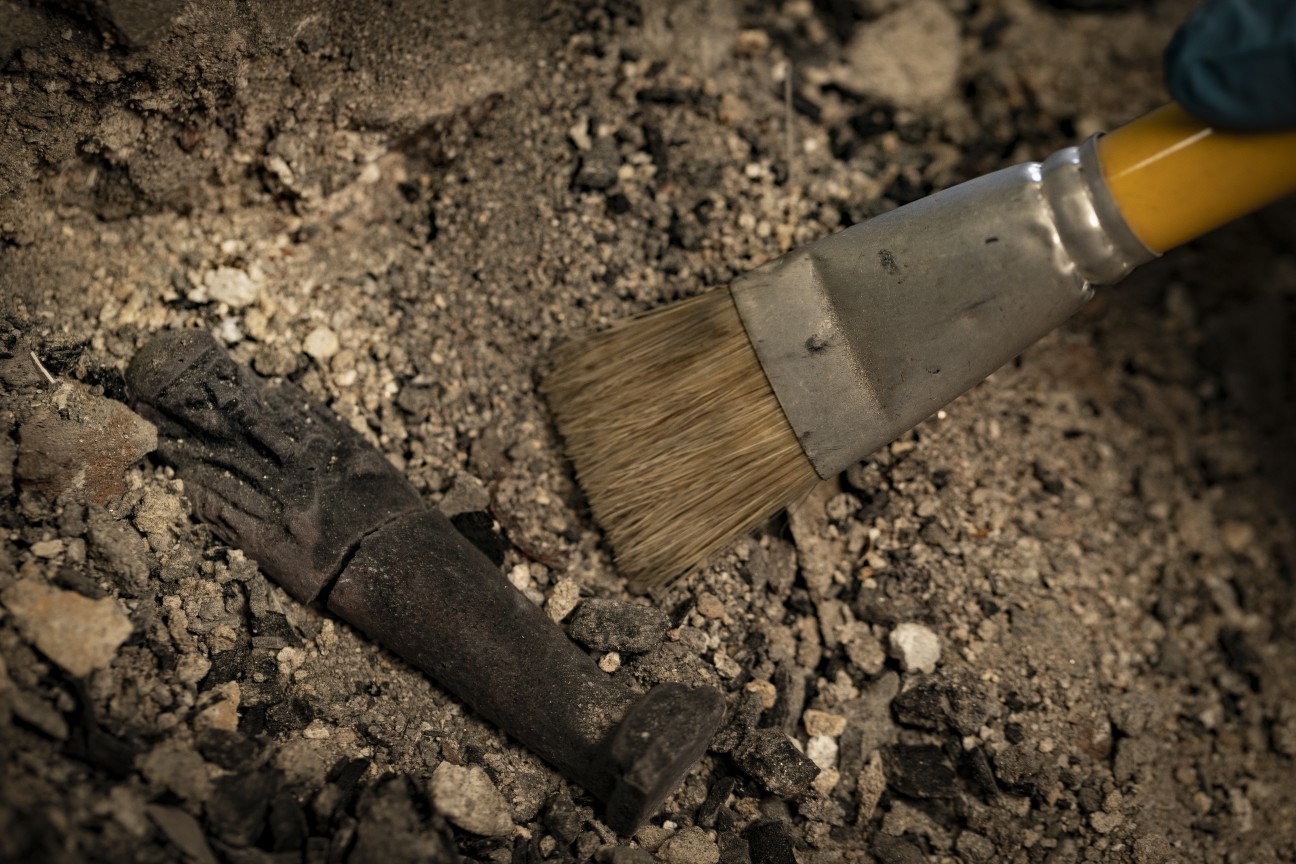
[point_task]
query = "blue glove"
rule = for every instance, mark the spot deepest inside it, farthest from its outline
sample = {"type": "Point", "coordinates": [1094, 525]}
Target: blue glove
{"type": "Point", "coordinates": [1233, 64]}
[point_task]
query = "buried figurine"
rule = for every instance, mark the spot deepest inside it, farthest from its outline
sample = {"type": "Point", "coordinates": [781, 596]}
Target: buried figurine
{"type": "Point", "coordinates": [324, 514]}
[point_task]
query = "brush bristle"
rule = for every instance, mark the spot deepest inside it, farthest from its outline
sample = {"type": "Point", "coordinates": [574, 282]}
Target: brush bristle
{"type": "Point", "coordinates": [676, 436]}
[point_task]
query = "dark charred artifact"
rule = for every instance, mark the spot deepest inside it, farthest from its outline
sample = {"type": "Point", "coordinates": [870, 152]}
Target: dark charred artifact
{"type": "Point", "coordinates": [323, 513]}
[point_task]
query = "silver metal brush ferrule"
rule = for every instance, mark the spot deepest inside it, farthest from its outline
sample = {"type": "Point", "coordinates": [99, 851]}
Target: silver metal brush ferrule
{"type": "Point", "coordinates": [866, 333]}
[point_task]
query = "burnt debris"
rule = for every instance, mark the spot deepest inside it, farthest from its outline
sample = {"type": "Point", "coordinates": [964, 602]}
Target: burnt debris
{"type": "Point", "coordinates": [322, 512]}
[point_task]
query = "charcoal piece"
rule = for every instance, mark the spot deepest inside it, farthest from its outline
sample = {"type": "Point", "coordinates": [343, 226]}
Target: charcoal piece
{"type": "Point", "coordinates": [893, 850]}
{"type": "Point", "coordinates": [790, 682]}
{"type": "Point", "coordinates": [252, 855]}
{"type": "Point", "coordinates": [717, 795]}
{"type": "Point", "coordinates": [288, 716]}
{"type": "Point", "coordinates": [742, 719]}
{"type": "Point", "coordinates": [922, 705]}
{"type": "Point", "coordinates": [273, 472]}
{"type": "Point", "coordinates": [562, 819]}
{"type": "Point", "coordinates": [771, 758]}
{"type": "Point", "coordinates": [346, 776]}
{"type": "Point", "coordinates": [598, 167]}
{"type": "Point", "coordinates": [771, 843]}
{"type": "Point", "coordinates": [325, 514]}
{"type": "Point", "coordinates": [236, 812]}
{"type": "Point", "coordinates": [287, 823]}
{"type": "Point", "coordinates": [90, 742]}
{"type": "Point", "coordinates": [919, 771]}
{"type": "Point", "coordinates": [734, 848]}
{"type": "Point", "coordinates": [966, 703]}
{"type": "Point", "coordinates": [974, 765]}
{"type": "Point", "coordinates": [229, 750]}
{"type": "Point", "coordinates": [615, 625]}
{"type": "Point", "coordinates": [623, 855]}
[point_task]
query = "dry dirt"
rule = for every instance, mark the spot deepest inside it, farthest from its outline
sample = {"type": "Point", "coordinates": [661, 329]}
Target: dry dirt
{"type": "Point", "coordinates": [403, 207]}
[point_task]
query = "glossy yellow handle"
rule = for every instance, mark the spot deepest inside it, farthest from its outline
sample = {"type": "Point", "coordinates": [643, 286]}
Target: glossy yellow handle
{"type": "Point", "coordinates": [1175, 178]}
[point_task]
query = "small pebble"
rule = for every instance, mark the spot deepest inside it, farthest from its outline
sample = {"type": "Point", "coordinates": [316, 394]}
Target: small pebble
{"type": "Point", "coordinates": [866, 653]}
{"type": "Point", "coordinates": [710, 606]}
{"type": "Point", "coordinates": [610, 662]}
{"type": "Point", "coordinates": [321, 343]}
{"type": "Point", "coordinates": [767, 692]}
{"type": "Point", "coordinates": [48, 548]}
{"type": "Point", "coordinates": [690, 845]}
{"type": "Point", "coordinates": [1105, 823]}
{"type": "Point", "coordinates": [466, 796]}
{"type": "Point", "coordinates": [822, 723]}
{"type": "Point", "coordinates": [917, 647]}
{"type": "Point", "coordinates": [822, 751]}
{"type": "Point", "coordinates": [562, 599]}
{"type": "Point", "coordinates": [230, 286]}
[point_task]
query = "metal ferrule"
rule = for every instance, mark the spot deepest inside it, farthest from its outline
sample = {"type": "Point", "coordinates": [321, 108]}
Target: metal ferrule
{"type": "Point", "coordinates": [866, 333]}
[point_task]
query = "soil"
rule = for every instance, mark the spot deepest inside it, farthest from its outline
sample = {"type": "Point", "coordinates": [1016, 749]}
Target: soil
{"type": "Point", "coordinates": [404, 208]}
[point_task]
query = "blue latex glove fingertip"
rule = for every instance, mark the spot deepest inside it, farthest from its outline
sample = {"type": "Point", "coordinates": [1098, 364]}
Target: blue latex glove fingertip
{"type": "Point", "coordinates": [1233, 64]}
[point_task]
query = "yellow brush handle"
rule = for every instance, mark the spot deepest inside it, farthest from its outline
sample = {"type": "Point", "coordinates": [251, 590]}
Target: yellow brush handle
{"type": "Point", "coordinates": [1175, 177]}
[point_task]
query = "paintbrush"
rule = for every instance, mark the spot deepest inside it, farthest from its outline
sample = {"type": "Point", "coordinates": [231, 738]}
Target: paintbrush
{"type": "Point", "coordinates": [691, 424]}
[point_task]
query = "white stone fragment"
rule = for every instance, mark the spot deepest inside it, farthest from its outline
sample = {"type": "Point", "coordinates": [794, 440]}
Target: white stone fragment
{"type": "Point", "coordinates": [917, 647]}
{"type": "Point", "coordinates": [321, 343]}
{"type": "Point", "coordinates": [230, 286]}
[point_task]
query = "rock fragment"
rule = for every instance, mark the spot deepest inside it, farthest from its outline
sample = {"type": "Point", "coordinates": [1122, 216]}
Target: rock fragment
{"type": "Point", "coordinates": [771, 758]}
{"type": "Point", "coordinates": [909, 57]}
{"type": "Point", "coordinates": [822, 750]}
{"type": "Point", "coordinates": [77, 633]}
{"type": "Point", "coordinates": [614, 625]}
{"type": "Point", "coordinates": [81, 445]}
{"type": "Point", "coordinates": [975, 848]}
{"type": "Point", "coordinates": [823, 723]}
{"type": "Point", "coordinates": [871, 785]}
{"type": "Point", "coordinates": [321, 343]}
{"type": "Point", "coordinates": [118, 549]}
{"type": "Point", "coordinates": [563, 598]}
{"type": "Point", "coordinates": [231, 286]}
{"type": "Point", "coordinates": [689, 845]}
{"type": "Point", "coordinates": [916, 647]}
{"type": "Point", "coordinates": [184, 831]}
{"type": "Point", "coordinates": [467, 797]}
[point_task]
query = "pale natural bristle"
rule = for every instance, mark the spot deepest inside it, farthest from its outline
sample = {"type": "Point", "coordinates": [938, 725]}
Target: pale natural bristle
{"type": "Point", "coordinates": [676, 436]}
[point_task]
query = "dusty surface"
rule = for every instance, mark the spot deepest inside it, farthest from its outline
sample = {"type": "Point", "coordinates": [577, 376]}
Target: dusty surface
{"type": "Point", "coordinates": [405, 209]}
